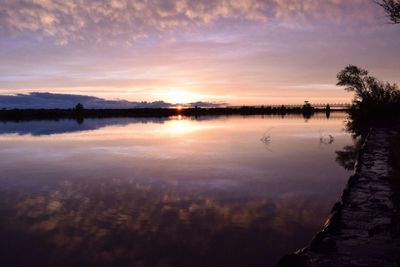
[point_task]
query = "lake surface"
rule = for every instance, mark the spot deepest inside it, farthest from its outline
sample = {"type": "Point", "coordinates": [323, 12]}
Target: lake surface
{"type": "Point", "coordinates": [211, 191]}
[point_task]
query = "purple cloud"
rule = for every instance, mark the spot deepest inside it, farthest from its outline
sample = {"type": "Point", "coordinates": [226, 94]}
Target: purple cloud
{"type": "Point", "coordinates": [125, 21]}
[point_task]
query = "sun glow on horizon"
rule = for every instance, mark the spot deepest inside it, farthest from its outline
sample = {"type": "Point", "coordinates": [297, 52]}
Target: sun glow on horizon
{"type": "Point", "coordinates": [179, 96]}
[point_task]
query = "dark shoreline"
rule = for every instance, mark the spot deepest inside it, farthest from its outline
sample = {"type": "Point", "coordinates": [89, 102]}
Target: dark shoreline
{"type": "Point", "coordinates": [361, 229]}
{"type": "Point", "coordinates": [79, 114]}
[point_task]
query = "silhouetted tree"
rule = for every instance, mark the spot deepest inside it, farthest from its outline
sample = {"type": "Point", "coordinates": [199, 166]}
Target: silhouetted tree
{"type": "Point", "coordinates": [368, 90]}
{"type": "Point", "coordinates": [375, 102]}
{"type": "Point", "coordinates": [307, 110]}
{"type": "Point", "coordinates": [79, 107]}
{"type": "Point", "coordinates": [392, 9]}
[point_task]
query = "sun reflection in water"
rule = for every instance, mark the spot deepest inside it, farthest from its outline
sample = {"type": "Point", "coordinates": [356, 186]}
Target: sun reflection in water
{"type": "Point", "coordinates": [181, 126]}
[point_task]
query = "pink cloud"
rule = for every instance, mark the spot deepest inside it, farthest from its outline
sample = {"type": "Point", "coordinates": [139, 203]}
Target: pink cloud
{"type": "Point", "coordinates": [129, 20]}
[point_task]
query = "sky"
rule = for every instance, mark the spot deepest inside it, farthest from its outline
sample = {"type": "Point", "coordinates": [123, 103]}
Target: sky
{"type": "Point", "coordinates": [241, 52]}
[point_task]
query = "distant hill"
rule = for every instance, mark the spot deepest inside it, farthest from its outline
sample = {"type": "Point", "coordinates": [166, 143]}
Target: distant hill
{"type": "Point", "coordinates": [35, 100]}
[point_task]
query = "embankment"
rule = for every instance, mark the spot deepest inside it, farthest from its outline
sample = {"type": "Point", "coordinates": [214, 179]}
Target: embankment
{"type": "Point", "coordinates": [360, 230]}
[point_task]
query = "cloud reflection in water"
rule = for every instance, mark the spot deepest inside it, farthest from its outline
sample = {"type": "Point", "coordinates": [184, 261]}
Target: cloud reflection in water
{"type": "Point", "coordinates": [177, 193]}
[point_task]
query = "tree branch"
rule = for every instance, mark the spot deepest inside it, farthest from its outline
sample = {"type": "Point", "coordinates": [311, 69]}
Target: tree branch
{"type": "Point", "coordinates": [392, 9]}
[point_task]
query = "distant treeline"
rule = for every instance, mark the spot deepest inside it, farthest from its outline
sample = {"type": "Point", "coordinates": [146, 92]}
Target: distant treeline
{"type": "Point", "coordinates": [80, 113]}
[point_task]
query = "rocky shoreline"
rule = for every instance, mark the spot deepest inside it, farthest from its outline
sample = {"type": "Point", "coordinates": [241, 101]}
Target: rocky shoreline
{"type": "Point", "coordinates": [360, 231]}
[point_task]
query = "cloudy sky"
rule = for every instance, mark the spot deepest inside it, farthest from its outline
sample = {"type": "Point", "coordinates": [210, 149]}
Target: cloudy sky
{"type": "Point", "coordinates": [235, 51]}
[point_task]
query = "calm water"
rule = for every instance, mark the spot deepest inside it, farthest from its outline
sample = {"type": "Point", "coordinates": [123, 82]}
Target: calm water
{"type": "Point", "coordinates": [224, 191]}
